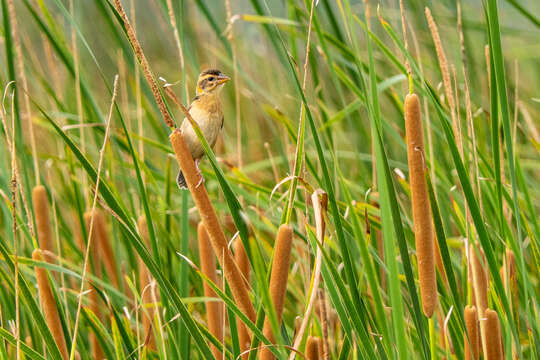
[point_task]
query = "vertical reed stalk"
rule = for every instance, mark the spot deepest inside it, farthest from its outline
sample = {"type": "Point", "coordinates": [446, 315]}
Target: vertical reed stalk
{"type": "Point", "coordinates": [145, 284]}
{"type": "Point", "coordinates": [211, 223]}
{"type": "Point", "coordinates": [43, 221]}
{"type": "Point", "coordinates": [313, 345]}
{"type": "Point", "coordinates": [494, 348]}
{"type": "Point", "coordinates": [214, 310]}
{"type": "Point", "coordinates": [242, 261]}
{"type": "Point", "coordinates": [278, 281]}
{"type": "Point", "coordinates": [423, 231]}
{"type": "Point", "coordinates": [48, 303]}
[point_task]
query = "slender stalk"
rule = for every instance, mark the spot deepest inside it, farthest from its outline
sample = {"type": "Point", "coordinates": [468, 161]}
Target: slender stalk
{"type": "Point", "coordinates": [145, 284]}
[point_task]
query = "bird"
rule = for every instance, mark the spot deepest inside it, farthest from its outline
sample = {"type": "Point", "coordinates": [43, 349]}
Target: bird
{"type": "Point", "coordinates": [207, 111]}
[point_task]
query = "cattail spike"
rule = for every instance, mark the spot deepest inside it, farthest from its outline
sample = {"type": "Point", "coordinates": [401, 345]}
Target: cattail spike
{"type": "Point", "coordinates": [43, 221]}
{"type": "Point", "coordinates": [242, 260]}
{"type": "Point", "coordinates": [313, 345]}
{"type": "Point", "coordinates": [472, 342]}
{"type": "Point", "coordinates": [423, 231]}
{"type": "Point", "coordinates": [494, 341]}
{"type": "Point", "coordinates": [214, 310]}
{"type": "Point", "coordinates": [49, 305]}
{"type": "Point", "coordinates": [278, 280]}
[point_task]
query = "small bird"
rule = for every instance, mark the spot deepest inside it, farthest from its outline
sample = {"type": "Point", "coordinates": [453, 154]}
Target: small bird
{"type": "Point", "coordinates": [206, 110]}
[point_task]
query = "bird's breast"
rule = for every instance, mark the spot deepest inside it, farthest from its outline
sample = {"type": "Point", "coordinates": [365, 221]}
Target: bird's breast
{"type": "Point", "coordinates": [208, 115]}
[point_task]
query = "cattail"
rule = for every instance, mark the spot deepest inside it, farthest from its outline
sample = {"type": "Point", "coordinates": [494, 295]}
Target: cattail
{"type": "Point", "coordinates": [102, 237]}
{"type": "Point", "coordinates": [423, 231]}
{"type": "Point", "coordinates": [472, 342]}
{"type": "Point", "coordinates": [493, 338]}
{"type": "Point", "coordinates": [43, 221]}
{"type": "Point", "coordinates": [145, 283]}
{"type": "Point", "coordinates": [49, 306]}
{"type": "Point", "coordinates": [106, 248]}
{"type": "Point", "coordinates": [214, 310]}
{"type": "Point", "coordinates": [313, 345]}
{"type": "Point", "coordinates": [211, 223]}
{"type": "Point", "coordinates": [480, 286]}
{"type": "Point", "coordinates": [97, 352]}
{"type": "Point", "coordinates": [242, 261]}
{"type": "Point", "coordinates": [278, 280]}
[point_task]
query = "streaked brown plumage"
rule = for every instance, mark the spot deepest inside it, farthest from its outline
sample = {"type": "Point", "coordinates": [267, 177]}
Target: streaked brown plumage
{"type": "Point", "coordinates": [206, 110]}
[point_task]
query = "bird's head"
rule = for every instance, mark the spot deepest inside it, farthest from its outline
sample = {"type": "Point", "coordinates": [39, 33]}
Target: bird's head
{"type": "Point", "coordinates": [211, 81]}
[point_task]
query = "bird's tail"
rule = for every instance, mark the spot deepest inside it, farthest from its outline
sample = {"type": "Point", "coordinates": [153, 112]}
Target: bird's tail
{"type": "Point", "coordinates": [181, 180]}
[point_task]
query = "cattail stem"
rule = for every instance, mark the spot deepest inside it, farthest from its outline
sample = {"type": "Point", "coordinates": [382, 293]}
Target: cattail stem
{"type": "Point", "coordinates": [43, 221]}
{"type": "Point", "coordinates": [472, 338]}
{"type": "Point", "coordinates": [214, 310]}
{"type": "Point", "coordinates": [423, 231]}
{"type": "Point", "coordinates": [145, 283]}
{"type": "Point", "coordinates": [211, 223]}
{"type": "Point", "coordinates": [243, 264]}
{"type": "Point", "coordinates": [49, 306]}
{"type": "Point", "coordinates": [278, 281]}
{"type": "Point", "coordinates": [493, 332]}
{"type": "Point", "coordinates": [312, 348]}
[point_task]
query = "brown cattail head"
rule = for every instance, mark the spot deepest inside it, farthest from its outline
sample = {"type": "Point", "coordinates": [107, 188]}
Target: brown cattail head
{"type": "Point", "coordinates": [214, 310]}
{"type": "Point", "coordinates": [493, 338]}
{"type": "Point", "coordinates": [423, 231]}
{"type": "Point", "coordinates": [278, 280]}
{"type": "Point", "coordinates": [43, 221]}
{"type": "Point", "coordinates": [313, 345]}
{"type": "Point", "coordinates": [105, 248]}
{"type": "Point", "coordinates": [145, 283]}
{"type": "Point", "coordinates": [472, 342]}
{"type": "Point", "coordinates": [211, 223]}
{"type": "Point", "coordinates": [480, 279]}
{"type": "Point", "coordinates": [49, 305]}
{"type": "Point", "coordinates": [242, 261]}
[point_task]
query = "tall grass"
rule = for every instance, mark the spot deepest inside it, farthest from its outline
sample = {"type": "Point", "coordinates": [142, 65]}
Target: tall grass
{"type": "Point", "coordinates": [400, 250]}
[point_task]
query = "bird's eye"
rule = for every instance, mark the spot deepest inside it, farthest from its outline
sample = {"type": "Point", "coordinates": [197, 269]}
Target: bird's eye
{"type": "Point", "coordinates": [211, 78]}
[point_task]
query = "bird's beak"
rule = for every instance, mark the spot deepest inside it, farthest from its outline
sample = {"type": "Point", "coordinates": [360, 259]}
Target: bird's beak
{"type": "Point", "coordinates": [222, 79]}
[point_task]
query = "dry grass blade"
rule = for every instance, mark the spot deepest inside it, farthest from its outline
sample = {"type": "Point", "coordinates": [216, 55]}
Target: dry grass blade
{"type": "Point", "coordinates": [423, 228]}
{"type": "Point", "coordinates": [49, 305]}
{"type": "Point", "coordinates": [214, 310]}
